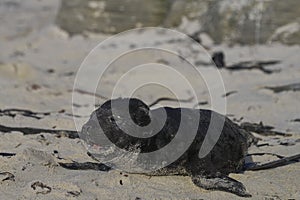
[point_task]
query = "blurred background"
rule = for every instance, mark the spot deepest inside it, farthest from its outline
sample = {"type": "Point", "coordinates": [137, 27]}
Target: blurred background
{"type": "Point", "coordinates": [232, 21]}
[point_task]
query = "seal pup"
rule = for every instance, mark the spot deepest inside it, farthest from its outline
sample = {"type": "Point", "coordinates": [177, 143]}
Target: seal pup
{"type": "Point", "coordinates": [211, 172]}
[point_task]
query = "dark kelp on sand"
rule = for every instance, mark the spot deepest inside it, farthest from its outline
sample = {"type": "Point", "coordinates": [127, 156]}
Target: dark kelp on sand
{"type": "Point", "coordinates": [289, 87]}
{"type": "Point", "coordinates": [219, 60]}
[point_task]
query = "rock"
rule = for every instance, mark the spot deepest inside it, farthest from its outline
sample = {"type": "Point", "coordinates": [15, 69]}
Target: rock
{"type": "Point", "coordinates": [231, 21]}
{"type": "Point", "coordinates": [246, 22]}
{"type": "Point", "coordinates": [219, 59]}
{"type": "Point", "coordinates": [190, 9]}
{"type": "Point", "coordinates": [288, 34]}
{"type": "Point", "coordinates": [112, 16]}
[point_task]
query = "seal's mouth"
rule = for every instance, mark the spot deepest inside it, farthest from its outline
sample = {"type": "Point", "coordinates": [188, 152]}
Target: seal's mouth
{"type": "Point", "coordinates": [100, 150]}
{"type": "Point", "coordinates": [95, 147]}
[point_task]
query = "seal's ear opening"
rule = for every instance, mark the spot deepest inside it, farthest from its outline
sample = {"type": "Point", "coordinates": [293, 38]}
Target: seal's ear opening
{"type": "Point", "coordinates": [139, 112]}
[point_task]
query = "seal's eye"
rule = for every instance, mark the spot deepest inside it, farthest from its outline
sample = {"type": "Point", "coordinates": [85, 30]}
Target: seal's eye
{"type": "Point", "coordinates": [111, 119]}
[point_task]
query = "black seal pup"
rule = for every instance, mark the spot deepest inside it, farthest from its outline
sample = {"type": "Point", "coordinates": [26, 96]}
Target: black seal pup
{"type": "Point", "coordinates": [211, 172]}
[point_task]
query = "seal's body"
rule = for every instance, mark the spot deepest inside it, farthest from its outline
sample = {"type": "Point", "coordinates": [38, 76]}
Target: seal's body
{"type": "Point", "coordinates": [210, 172]}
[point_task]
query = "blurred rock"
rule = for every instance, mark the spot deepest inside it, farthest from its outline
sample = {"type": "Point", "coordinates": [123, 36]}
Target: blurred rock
{"type": "Point", "coordinates": [252, 22]}
{"type": "Point", "coordinates": [219, 59]}
{"type": "Point", "coordinates": [288, 34]}
{"type": "Point", "coordinates": [110, 16]}
{"type": "Point", "coordinates": [191, 9]}
{"type": "Point", "coordinates": [230, 21]}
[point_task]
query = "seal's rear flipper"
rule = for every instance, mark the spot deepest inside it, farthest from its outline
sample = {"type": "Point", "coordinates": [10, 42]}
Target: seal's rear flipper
{"type": "Point", "coordinates": [221, 182]}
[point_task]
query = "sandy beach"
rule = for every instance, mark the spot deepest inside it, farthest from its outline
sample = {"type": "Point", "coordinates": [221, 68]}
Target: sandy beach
{"type": "Point", "coordinates": [38, 65]}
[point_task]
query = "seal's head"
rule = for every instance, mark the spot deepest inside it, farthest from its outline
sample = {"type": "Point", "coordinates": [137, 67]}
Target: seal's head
{"type": "Point", "coordinates": [121, 109]}
{"type": "Point", "coordinates": [111, 123]}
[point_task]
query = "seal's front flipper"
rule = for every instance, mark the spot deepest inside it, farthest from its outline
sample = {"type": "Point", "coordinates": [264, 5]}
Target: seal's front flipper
{"type": "Point", "coordinates": [221, 182]}
{"type": "Point", "coordinates": [85, 166]}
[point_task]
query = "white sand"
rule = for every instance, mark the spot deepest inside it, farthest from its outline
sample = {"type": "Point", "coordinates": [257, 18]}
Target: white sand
{"type": "Point", "coordinates": [50, 48]}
